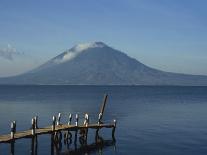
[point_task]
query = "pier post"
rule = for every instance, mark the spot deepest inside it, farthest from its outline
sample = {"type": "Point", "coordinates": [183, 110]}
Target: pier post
{"type": "Point", "coordinates": [76, 131]}
{"type": "Point", "coordinates": [99, 118]}
{"type": "Point", "coordinates": [36, 121]}
{"type": "Point", "coordinates": [103, 105]}
{"type": "Point", "coordinates": [59, 117]}
{"type": "Point", "coordinates": [33, 126]}
{"type": "Point", "coordinates": [113, 130]}
{"type": "Point", "coordinates": [87, 123]}
{"type": "Point", "coordinates": [84, 131]}
{"type": "Point", "coordinates": [70, 119]}
{"type": "Point", "coordinates": [76, 122]}
{"type": "Point", "coordinates": [13, 129]}
{"type": "Point", "coordinates": [53, 123]}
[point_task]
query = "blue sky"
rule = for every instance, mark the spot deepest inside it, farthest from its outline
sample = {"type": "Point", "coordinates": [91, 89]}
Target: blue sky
{"type": "Point", "coordinates": [170, 35]}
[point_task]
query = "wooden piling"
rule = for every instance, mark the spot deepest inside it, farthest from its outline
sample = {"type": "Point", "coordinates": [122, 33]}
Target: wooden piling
{"type": "Point", "coordinates": [86, 123]}
{"type": "Point", "coordinates": [59, 117]}
{"type": "Point", "coordinates": [53, 123]}
{"type": "Point", "coordinates": [103, 105]}
{"type": "Point", "coordinates": [76, 122]}
{"type": "Point", "coordinates": [36, 121]}
{"type": "Point", "coordinates": [70, 119]}
{"type": "Point", "coordinates": [15, 126]}
{"type": "Point", "coordinates": [33, 127]}
{"type": "Point", "coordinates": [87, 120]}
{"type": "Point", "coordinates": [99, 118]}
{"type": "Point", "coordinates": [113, 130]}
{"type": "Point", "coordinates": [13, 129]}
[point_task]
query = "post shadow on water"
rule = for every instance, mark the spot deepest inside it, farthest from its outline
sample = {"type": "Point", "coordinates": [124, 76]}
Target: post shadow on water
{"type": "Point", "coordinates": [58, 139]}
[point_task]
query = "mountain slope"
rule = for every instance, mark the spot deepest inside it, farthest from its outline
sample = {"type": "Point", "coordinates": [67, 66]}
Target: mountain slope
{"type": "Point", "coordinates": [99, 64]}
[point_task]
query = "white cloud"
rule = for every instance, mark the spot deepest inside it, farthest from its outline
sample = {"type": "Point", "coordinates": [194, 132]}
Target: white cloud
{"type": "Point", "coordinates": [76, 50]}
{"type": "Point", "coordinates": [9, 52]}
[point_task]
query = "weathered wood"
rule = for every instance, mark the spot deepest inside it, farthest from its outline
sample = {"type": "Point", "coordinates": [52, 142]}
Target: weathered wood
{"type": "Point", "coordinates": [86, 121]}
{"type": "Point", "coordinates": [36, 122]}
{"type": "Point", "coordinates": [99, 118]}
{"type": "Point", "coordinates": [85, 131]}
{"type": "Point", "coordinates": [76, 122]}
{"type": "Point", "coordinates": [13, 129]}
{"type": "Point", "coordinates": [70, 119]}
{"type": "Point", "coordinates": [59, 117]}
{"type": "Point", "coordinates": [33, 127]}
{"type": "Point", "coordinates": [53, 123]}
{"type": "Point", "coordinates": [113, 130]}
{"type": "Point", "coordinates": [103, 106]}
{"type": "Point", "coordinates": [49, 130]}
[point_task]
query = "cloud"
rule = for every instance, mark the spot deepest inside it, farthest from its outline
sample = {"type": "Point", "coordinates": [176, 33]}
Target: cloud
{"type": "Point", "coordinates": [72, 53]}
{"type": "Point", "coordinates": [9, 52]}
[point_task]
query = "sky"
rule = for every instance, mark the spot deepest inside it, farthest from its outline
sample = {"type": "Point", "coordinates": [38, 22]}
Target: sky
{"type": "Point", "coordinates": [169, 35]}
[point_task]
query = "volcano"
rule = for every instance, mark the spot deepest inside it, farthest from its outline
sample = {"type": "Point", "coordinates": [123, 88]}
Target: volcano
{"type": "Point", "coordinates": [99, 64]}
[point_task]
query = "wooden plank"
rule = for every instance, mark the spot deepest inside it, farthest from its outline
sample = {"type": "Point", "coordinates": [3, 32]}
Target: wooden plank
{"type": "Point", "coordinates": [47, 130]}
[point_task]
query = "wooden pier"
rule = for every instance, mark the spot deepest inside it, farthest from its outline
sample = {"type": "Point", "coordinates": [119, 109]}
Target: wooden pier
{"type": "Point", "coordinates": [48, 130]}
{"type": "Point", "coordinates": [56, 129]}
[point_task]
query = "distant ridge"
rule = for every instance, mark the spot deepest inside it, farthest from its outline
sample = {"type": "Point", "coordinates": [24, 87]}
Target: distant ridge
{"type": "Point", "coordinates": [98, 64]}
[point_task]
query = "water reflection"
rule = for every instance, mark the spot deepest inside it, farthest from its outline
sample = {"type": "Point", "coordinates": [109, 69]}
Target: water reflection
{"type": "Point", "coordinates": [60, 140]}
{"type": "Point", "coordinates": [34, 145]}
{"type": "Point", "coordinates": [57, 140]}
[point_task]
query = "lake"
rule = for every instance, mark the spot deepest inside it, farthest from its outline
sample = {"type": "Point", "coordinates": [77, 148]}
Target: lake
{"type": "Point", "coordinates": [151, 120]}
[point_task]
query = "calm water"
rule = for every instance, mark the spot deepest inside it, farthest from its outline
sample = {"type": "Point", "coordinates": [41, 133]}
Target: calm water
{"type": "Point", "coordinates": [151, 120]}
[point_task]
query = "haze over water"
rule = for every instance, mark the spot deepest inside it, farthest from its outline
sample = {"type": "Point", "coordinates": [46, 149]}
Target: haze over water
{"type": "Point", "coordinates": [151, 120]}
